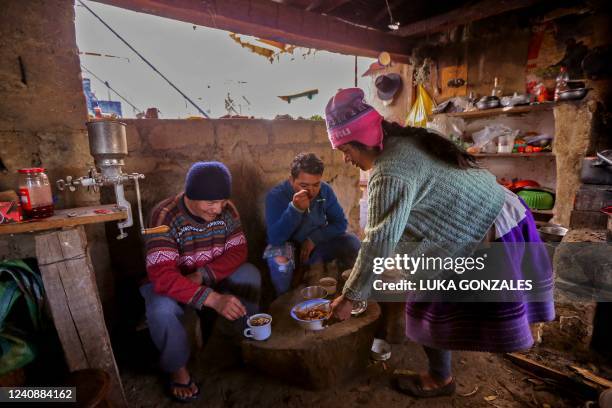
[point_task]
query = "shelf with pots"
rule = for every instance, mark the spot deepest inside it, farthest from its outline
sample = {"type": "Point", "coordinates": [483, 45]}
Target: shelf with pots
{"type": "Point", "coordinates": [510, 110]}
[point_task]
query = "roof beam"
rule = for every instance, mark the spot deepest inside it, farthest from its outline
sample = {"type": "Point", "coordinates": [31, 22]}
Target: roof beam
{"type": "Point", "coordinates": [274, 21]}
{"type": "Point", "coordinates": [463, 15]}
{"type": "Point", "coordinates": [325, 6]}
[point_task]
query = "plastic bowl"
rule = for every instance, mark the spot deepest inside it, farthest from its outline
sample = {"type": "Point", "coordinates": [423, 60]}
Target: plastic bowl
{"type": "Point", "coordinates": [310, 324]}
{"type": "Point", "coordinates": [313, 292]}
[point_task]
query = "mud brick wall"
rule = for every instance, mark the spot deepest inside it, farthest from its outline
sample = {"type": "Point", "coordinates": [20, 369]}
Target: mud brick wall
{"type": "Point", "coordinates": [258, 154]}
{"type": "Point", "coordinates": [43, 114]}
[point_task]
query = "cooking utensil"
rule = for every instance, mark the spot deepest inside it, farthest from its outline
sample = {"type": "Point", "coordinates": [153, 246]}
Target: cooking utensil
{"type": "Point", "coordinates": [488, 102]}
{"type": "Point", "coordinates": [313, 292]}
{"type": "Point", "coordinates": [552, 233]}
{"type": "Point", "coordinates": [515, 100]}
{"type": "Point", "coordinates": [572, 94]}
{"type": "Point", "coordinates": [595, 171]}
{"type": "Point", "coordinates": [316, 324]}
{"type": "Point", "coordinates": [606, 156]}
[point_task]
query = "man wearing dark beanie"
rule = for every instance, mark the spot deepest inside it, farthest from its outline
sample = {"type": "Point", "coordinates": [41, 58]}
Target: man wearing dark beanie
{"type": "Point", "coordinates": [200, 262]}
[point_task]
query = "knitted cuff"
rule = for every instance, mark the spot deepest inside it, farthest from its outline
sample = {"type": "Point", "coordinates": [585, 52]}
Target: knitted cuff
{"type": "Point", "coordinates": [197, 301]}
{"type": "Point", "coordinates": [351, 294]}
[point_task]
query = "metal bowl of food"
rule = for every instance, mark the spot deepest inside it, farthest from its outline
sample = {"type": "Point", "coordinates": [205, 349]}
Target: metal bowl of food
{"type": "Point", "coordinates": [311, 314]}
{"type": "Point", "coordinates": [552, 233]}
{"type": "Point", "coordinates": [313, 292]}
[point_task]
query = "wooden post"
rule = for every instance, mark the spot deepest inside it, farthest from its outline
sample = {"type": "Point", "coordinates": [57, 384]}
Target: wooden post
{"type": "Point", "coordinates": [70, 285]}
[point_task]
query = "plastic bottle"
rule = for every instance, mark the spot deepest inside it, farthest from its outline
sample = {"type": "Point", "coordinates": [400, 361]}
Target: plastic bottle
{"type": "Point", "coordinates": [562, 80]}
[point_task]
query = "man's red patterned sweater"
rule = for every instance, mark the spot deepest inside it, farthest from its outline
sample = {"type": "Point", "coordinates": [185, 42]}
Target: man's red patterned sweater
{"type": "Point", "coordinates": [215, 248]}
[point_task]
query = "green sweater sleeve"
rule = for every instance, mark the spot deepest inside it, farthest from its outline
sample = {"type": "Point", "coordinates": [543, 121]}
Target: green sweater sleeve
{"type": "Point", "coordinates": [390, 200]}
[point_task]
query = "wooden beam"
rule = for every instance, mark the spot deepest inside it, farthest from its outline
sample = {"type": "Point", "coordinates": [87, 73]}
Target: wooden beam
{"type": "Point", "coordinates": [565, 382]}
{"type": "Point", "coordinates": [72, 295]}
{"type": "Point", "coordinates": [325, 6]}
{"type": "Point", "coordinates": [274, 21]}
{"type": "Point", "coordinates": [463, 15]}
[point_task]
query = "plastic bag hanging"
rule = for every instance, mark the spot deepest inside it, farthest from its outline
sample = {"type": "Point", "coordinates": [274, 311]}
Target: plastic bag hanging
{"type": "Point", "coordinates": [422, 108]}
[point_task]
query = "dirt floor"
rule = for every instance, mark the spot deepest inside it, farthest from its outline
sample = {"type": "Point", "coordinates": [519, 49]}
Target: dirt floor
{"type": "Point", "coordinates": [484, 380]}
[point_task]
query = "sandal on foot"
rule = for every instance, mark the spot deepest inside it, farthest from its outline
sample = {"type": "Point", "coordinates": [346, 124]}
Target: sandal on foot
{"type": "Point", "coordinates": [193, 397]}
{"type": "Point", "coordinates": [413, 386]}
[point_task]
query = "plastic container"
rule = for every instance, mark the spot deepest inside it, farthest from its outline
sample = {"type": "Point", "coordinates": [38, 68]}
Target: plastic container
{"type": "Point", "coordinates": [35, 193]}
{"type": "Point", "coordinates": [505, 143]}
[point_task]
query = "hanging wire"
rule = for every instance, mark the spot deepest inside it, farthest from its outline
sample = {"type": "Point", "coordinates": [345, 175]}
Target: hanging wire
{"type": "Point", "coordinates": [394, 25]}
{"type": "Point", "coordinates": [111, 88]}
{"type": "Point", "coordinates": [145, 60]}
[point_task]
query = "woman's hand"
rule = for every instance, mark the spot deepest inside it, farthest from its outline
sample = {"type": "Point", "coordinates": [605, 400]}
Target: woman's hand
{"type": "Point", "coordinates": [341, 307]}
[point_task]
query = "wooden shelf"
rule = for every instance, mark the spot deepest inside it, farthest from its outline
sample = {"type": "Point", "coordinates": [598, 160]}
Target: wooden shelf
{"type": "Point", "coordinates": [543, 212]}
{"type": "Point", "coordinates": [541, 154]}
{"type": "Point", "coordinates": [70, 217]}
{"type": "Point", "coordinates": [516, 110]}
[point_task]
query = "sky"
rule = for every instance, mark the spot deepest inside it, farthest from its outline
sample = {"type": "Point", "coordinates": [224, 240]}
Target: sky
{"type": "Point", "coordinates": [205, 64]}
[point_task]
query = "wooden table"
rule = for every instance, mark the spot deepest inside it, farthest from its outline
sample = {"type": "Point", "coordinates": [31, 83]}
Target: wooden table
{"type": "Point", "coordinates": [70, 287]}
{"type": "Point", "coordinates": [313, 359]}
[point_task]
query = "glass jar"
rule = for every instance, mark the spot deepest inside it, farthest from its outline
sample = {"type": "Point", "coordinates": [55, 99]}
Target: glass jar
{"type": "Point", "coordinates": [35, 193]}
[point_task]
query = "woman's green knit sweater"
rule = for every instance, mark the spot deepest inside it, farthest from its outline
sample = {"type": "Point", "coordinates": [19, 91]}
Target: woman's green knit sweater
{"type": "Point", "coordinates": [440, 209]}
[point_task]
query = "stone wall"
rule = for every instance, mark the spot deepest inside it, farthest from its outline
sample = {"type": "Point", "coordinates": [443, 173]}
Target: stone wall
{"type": "Point", "coordinates": [43, 113]}
{"type": "Point", "coordinates": [257, 152]}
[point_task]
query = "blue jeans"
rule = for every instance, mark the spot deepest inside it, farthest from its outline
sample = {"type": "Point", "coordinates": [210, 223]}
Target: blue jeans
{"type": "Point", "coordinates": [164, 315]}
{"type": "Point", "coordinates": [439, 362]}
{"type": "Point", "coordinates": [343, 248]}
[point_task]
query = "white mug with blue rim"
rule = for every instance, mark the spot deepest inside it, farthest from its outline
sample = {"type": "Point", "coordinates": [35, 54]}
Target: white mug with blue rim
{"type": "Point", "coordinates": [260, 326]}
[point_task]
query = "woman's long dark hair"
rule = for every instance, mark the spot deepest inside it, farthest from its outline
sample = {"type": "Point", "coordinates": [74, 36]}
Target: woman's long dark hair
{"type": "Point", "coordinates": [434, 144]}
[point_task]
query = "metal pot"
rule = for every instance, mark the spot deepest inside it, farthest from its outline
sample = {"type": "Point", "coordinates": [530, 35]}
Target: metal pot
{"type": "Point", "coordinates": [515, 100]}
{"type": "Point", "coordinates": [595, 171]}
{"type": "Point", "coordinates": [488, 102]}
{"type": "Point", "coordinates": [552, 233]}
{"type": "Point", "coordinates": [572, 94]}
{"type": "Point", "coordinates": [313, 292]}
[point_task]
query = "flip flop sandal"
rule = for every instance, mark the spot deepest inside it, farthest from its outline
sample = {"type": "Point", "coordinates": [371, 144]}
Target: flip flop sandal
{"type": "Point", "coordinates": [193, 397]}
{"type": "Point", "coordinates": [412, 385]}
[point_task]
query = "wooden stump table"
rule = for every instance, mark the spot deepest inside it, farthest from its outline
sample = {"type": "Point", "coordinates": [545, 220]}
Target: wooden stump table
{"type": "Point", "coordinates": [312, 359]}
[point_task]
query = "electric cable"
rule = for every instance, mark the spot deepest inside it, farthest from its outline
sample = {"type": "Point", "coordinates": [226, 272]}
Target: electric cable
{"type": "Point", "coordinates": [145, 60]}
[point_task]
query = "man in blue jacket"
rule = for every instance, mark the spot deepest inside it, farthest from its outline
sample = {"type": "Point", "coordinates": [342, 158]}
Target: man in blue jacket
{"type": "Point", "coordinates": [304, 211]}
